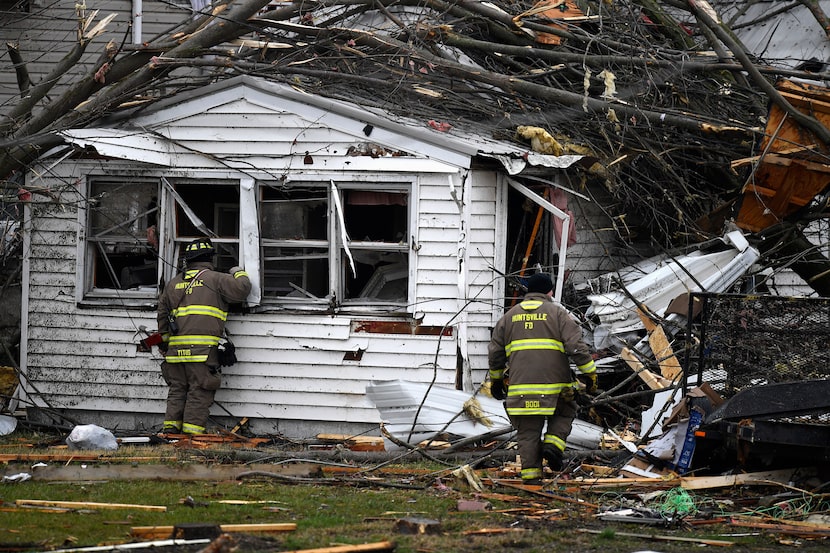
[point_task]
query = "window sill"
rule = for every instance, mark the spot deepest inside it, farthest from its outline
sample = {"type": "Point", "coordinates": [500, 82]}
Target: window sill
{"type": "Point", "coordinates": [145, 303]}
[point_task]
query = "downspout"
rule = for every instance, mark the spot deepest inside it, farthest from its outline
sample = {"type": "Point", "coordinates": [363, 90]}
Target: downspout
{"type": "Point", "coordinates": [137, 20]}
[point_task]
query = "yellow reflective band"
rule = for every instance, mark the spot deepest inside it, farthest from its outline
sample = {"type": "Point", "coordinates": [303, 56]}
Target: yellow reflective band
{"type": "Point", "coordinates": [186, 358]}
{"type": "Point", "coordinates": [238, 274]}
{"type": "Point", "coordinates": [531, 473]}
{"type": "Point", "coordinates": [537, 389]}
{"type": "Point", "coordinates": [207, 310]}
{"type": "Point", "coordinates": [588, 367]}
{"type": "Point", "coordinates": [188, 428]}
{"type": "Point", "coordinates": [525, 411]}
{"type": "Point", "coordinates": [173, 424]}
{"type": "Point", "coordinates": [496, 374]}
{"type": "Point", "coordinates": [194, 340]}
{"type": "Point", "coordinates": [530, 305]}
{"type": "Point", "coordinates": [533, 344]}
{"type": "Point", "coordinates": [556, 441]}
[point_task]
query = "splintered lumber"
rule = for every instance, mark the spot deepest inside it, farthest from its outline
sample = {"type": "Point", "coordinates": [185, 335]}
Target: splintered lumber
{"type": "Point", "coordinates": [355, 443]}
{"type": "Point", "coordinates": [659, 537]}
{"type": "Point", "coordinates": [377, 546]}
{"type": "Point", "coordinates": [490, 531]}
{"type": "Point", "coordinates": [539, 490]}
{"type": "Point", "coordinates": [87, 505]}
{"type": "Point", "coordinates": [161, 532]}
{"type": "Point", "coordinates": [417, 525]}
{"type": "Point", "coordinates": [790, 527]}
{"type": "Point", "coordinates": [779, 477]}
{"type": "Point", "coordinates": [669, 364]}
{"type": "Point", "coordinates": [652, 380]}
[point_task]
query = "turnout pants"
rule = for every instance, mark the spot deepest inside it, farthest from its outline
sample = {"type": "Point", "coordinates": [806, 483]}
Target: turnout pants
{"type": "Point", "coordinates": [191, 389]}
{"type": "Point", "coordinates": [530, 440]}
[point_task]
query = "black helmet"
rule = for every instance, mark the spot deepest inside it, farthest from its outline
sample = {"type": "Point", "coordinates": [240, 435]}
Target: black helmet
{"type": "Point", "coordinates": [201, 248]}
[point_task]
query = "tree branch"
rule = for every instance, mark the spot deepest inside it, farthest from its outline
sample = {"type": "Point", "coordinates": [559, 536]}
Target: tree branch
{"type": "Point", "coordinates": [810, 123]}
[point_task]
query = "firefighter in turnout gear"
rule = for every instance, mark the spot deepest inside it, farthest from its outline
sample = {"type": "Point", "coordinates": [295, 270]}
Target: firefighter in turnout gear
{"type": "Point", "coordinates": [192, 311]}
{"type": "Point", "coordinates": [535, 339]}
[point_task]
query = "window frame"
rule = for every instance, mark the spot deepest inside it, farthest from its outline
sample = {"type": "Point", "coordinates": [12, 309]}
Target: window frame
{"type": "Point", "coordinates": [251, 242]}
{"type": "Point", "coordinates": [86, 291]}
{"type": "Point", "coordinates": [337, 257]}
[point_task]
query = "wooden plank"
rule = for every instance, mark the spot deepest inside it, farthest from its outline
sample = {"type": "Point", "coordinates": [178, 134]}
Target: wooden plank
{"type": "Point", "coordinates": [652, 380]}
{"type": "Point", "coordinates": [669, 364]}
{"type": "Point", "coordinates": [758, 478]}
{"type": "Point", "coordinates": [361, 548]}
{"type": "Point", "coordinates": [87, 505]}
{"type": "Point", "coordinates": [180, 473]}
{"type": "Point", "coordinates": [161, 532]}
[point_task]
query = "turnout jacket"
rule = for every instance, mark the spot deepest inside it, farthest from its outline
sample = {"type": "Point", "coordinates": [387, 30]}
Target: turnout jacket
{"type": "Point", "coordinates": [197, 300]}
{"type": "Point", "coordinates": [535, 339]}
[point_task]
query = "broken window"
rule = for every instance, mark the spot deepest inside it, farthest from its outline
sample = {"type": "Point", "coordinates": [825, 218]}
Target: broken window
{"type": "Point", "coordinates": [122, 239]}
{"type": "Point", "coordinates": [207, 208]}
{"type": "Point", "coordinates": [321, 243]}
{"type": "Point", "coordinates": [306, 256]}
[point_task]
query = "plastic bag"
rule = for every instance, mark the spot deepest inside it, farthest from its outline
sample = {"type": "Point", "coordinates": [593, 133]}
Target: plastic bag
{"type": "Point", "coordinates": [90, 436]}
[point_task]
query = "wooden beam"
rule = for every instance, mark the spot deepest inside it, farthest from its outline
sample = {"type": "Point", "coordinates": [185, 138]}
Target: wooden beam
{"type": "Point", "coordinates": [362, 548]}
{"type": "Point", "coordinates": [178, 473]}
{"type": "Point", "coordinates": [652, 380]}
{"type": "Point", "coordinates": [758, 478]}
{"type": "Point", "coordinates": [161, 532]}
{"type": "Point", "coordinates": [669, 364]}
{"type": "Point", "coordinates": [88, 505]}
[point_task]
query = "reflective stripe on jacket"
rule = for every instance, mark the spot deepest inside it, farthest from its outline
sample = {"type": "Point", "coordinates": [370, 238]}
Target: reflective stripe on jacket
{"type": "Point", "coordinates": [535, 338]}
{"type": "Point", "coordinates": [198, 300]}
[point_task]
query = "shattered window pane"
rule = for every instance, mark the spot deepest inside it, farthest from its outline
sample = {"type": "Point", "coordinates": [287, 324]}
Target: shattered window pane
{"type": "Point", "coordinates": [211, 208]}
{"type": "Point", "coordinates": [295, 272]}
{"type": "Point", "coordinates": [122, 243]}
{"type": "Point", "coordinates": [294, 214]}
{"type": "Point", "coordinates": [302, 242]}
{"type": "Point", "coordinates": [378, 226]}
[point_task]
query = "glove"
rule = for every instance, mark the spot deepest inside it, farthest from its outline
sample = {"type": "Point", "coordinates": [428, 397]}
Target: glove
{"type": "Point", "coordinates": [590, 381]}
{"type": "Point", "coordinates": [568, 393]}
{"type": "Point", "coordinates": [497, 389]}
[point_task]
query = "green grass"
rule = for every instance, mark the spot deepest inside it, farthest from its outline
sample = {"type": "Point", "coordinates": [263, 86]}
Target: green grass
{"type": "Point", "coordinates": [324, 514]}
{"type": "Point", "coordinates": [339, 509]}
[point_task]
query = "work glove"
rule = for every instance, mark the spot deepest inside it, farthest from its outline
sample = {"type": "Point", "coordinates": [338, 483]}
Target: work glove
{"type": "Point", "coordinates": [568, 393]}
{"type": "Point", "coordinates": [497, 389]}
{"type": "Point", "coordinates": [590, 382]}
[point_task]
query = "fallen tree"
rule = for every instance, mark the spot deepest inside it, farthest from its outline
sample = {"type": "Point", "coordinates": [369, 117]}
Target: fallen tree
{"type": "Point", "coordinates": [661, 94]}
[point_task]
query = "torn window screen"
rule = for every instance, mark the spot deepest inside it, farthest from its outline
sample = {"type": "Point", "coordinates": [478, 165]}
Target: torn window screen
{"type": "Point", "coordinates": [122, 243]}
{"type": "Point", "coordinates": [301, 242]}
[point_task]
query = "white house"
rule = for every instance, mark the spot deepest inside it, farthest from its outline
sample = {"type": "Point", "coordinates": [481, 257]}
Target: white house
{"type": "Point", "coordinates": [376, 246]}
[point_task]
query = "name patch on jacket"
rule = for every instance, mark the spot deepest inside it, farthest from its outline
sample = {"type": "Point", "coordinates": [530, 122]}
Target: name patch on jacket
{"type": "Point", "coordinates": [521, 317]}
{"type": "Point", "coordinates": [189, 285]}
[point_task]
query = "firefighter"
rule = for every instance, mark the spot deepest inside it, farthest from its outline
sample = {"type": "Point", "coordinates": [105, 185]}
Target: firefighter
{"type": "Point", "coordinates": [536, 338]}
{"type": "Point", "coordinates": [192, 311]}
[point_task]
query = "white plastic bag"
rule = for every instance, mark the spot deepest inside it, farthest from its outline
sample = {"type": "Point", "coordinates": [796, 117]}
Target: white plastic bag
{"type": "Point", "coordinates": [90, 436]}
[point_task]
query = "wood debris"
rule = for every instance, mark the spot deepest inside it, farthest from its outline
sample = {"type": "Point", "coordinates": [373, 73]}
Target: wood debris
{"type": "Point", "coordinates": [161, 532]}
